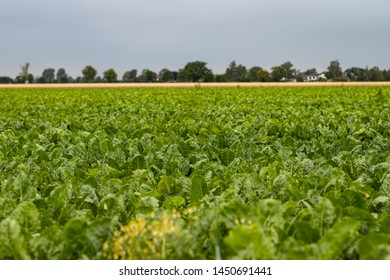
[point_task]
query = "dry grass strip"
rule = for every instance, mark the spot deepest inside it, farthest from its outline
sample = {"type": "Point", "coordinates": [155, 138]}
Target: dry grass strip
{"type": "Point", "coordinates": [193, 85]}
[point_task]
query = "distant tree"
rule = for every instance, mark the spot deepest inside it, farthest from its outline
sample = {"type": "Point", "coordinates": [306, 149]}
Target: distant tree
{"type": "Point", "coordinates": [61, 76]}
{"type": "Point", "coordinates": [279, 73]}
{"type": "Point", "coordinates": [220, 78]}
{"type": "Point", "coordinates": [147, 76]}
{"type": "Point", "coordinates": [386, 75]}
{"type": "Point", "coordinates": [334, 71]}
{"type": "Point", "coordinates": [195, 72]}
{"type": "Point", "coordinates": [89, 73]}
{"type": "Point", "coordinates": [165, 75]}
{"type": "Point", "coordinates": [252, 74]}
{"type": "Point", "coordinates": [23, 80]}
{"type": "Point", "coordinates": [130, 76]}
{"type": "Point", "coordinates": [24, 76]}
{"type": "Point", "coordinates": [40, 80]}
{"type": "Point", "coordinates": [374, 74]}
{"type": "Point", "coordinates": [291, 72]}
{"type": "Point", "coordinates": [24, 70]}
{"type": "Point", "coordinates": [236, 73]}
{"type": "Point", "coordinates": [263, 75]}
{"type": "Point", "coordinates": [284, 72]}
{"type": "Point", "coordinates": [311, 72]}
{"type": "Point", "coordinates": [48, 75]}
{"type": "Point", "coordinates": [110, 75]}
{"type": "Point", "coordinates": [6, 80]}
{"type": "Point", "coordinates": [175, 74]}
{"type": "Point", "coordinates": [356, 74]}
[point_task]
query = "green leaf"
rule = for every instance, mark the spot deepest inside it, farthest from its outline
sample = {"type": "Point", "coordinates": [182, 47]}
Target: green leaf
{"type": "Point", "coordinates": [167, 185]}
{"type": "Point", "coordinates": [385, 187]}
{"type": "Point", "coordinates": [74, 236]}
{"type": "Point", "coordinates": [306, 233]}
{"type": "Point", "coordinates": [174, 202]}
{"type": "Point", "coordinates": [12, 241]}
{"type": "Point", "coordinates": [109, 206]}
{"type": "Point", "coordinates": [227, 156]}
{"type": "Point", "coordinates": [104, 146]}
{"type": "Point", "coordinates": [7, 205]}
{"type": "Point", "coordinates": [111, 172]}
{"type": "Point", "coordinates": [307, 166]}
{"type": "Point", "coordinates": [363, 134]}
{"type": "Point", "coordinates": [382, 204]}
{"type": "Point", "coordinates": [289, 208]}
{"type": "Point", "coordinates": [150, 202]}
{"type": "Point", "coordinates": [354, 198]}
{"type": "Point", "coordinates": [368, 221]}
{"type": "Point", "coordinates": [374, 246]}
{"type": "Point", "coordinates": [59, 202]}
{"type": "Point", "coordinates": [252, 187]}
{"type": "Point", "coordinates": [96, 233]}
{"type": "Point", "coordinates": [218, 186]}
{"type": "Point", "coordinates": [338, 239]}
{"type": "Point", "coordinates": [323, 215]}
{"type": "Point", "coordinates": [272, 126]}
{"type": "Point", "coordinates": [249, 243]}
{"type": "Point", "coordinates": [138, 162]}
{"type": "Point", "coordinates": [87, 198]}
{"type": "Point", "coordinates": [48, 245]}
{"type": "Point", "coordinates": [385, 224]}
{"type": "Point", "coordinates": [198, 188]}
{"type": "Point", "coordinates": [269, 212]}
{"type": "Point", "coordinates": [27, 215]}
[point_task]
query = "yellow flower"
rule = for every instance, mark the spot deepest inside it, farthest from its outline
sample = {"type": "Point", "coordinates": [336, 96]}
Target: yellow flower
{"type": "Point", "coordinates": [145, 237]}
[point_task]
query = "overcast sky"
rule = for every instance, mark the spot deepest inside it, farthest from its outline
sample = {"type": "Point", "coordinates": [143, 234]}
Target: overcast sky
{"type": "Point", "coordinates": [138, 34]}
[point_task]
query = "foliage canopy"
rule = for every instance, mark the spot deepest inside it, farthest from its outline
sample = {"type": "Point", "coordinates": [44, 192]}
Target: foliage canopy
{"type": "Point", "coordinates": [239, 173]}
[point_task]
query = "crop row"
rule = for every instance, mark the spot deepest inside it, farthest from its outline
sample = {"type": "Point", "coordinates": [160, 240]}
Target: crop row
{"type": "Point", "coordinates": [239, 173]}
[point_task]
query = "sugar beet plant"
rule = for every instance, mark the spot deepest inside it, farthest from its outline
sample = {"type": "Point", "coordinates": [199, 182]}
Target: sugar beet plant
{"type": "Point", "coordinates": [276, 173]}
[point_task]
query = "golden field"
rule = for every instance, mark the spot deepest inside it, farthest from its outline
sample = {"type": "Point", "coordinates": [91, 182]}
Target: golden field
{"type": "Point", "coordinates": [191, 85]}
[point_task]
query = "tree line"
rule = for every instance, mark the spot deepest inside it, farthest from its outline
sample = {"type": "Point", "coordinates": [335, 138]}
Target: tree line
{"type": "Point", "coordinates": [197, 71]}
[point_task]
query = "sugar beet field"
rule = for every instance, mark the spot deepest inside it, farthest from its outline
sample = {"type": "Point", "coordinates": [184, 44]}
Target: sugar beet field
{"type": "Point", "coordinates": [195, 173]}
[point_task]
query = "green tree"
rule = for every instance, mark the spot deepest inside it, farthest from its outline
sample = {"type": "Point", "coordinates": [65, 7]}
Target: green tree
{"type": "Point", "coordinates": [110, 76]}
{"type": "Point", "coordinates": [356, 74]}
{"type": "Point", "coordinates": [195, 72]}
{"type": "Point", "coordinates": [89, 73]}
{"type": "Point", "coordinates": [279, 73]}
{"type": "Point", "coordinates": [6, 80]}
{"type": "Point", "coordinates": [165, 75]}
{"type": "Point", "coordinates": [334, 71]}
{"type": "Point", "coordinates": [236, 73]}
{"type": "Point", "coordinates": [24, 76]}
{"type": "Point", "coordinates": [150, 76]}
{"type": "Point", "coordinates": [375, 74]}
{"type": "Point", "coordinates": [130, 76]}
{"type": "Point", "coordinates": [291, 72]}
{"type": "Point", "coordinates": [311, 72]}
{"type": "Point", "coordinates": [386, 75]}
{"type": "Point", "coordinates": [220, 78]}
{"type": "Point", "coordinates": [24, 70]}
{"type": "Point", "coordinates": [48, 75]}
{"type": "Point", "coordinates": [252, 74]}
{"type": "Point", "coordinates": [61, 76]}
{"type": "Point", "coordinates": [147, 76]}
{"type": "Point", "coordinates": [263, 75]}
